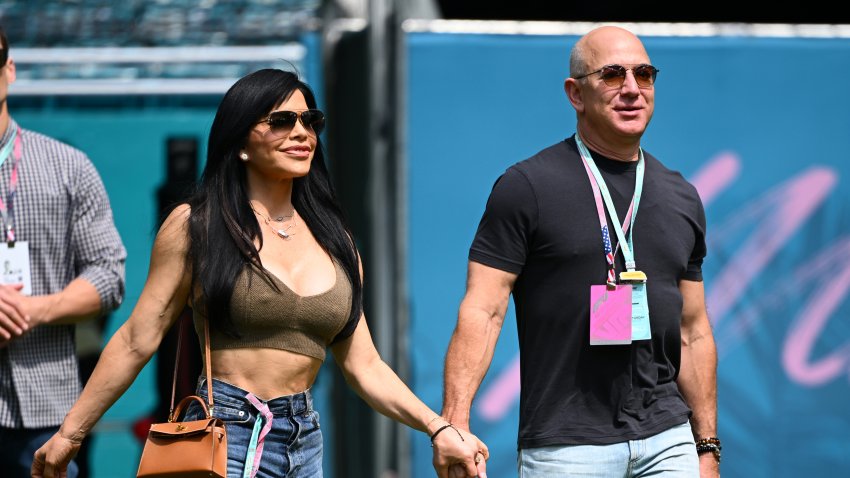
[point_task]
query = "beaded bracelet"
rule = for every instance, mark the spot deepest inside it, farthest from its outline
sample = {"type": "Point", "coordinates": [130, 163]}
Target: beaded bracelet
{"type": "Point", "coordinates": [712, 440]}
{"type": "Point", "coordinates": [443, 428]}
{"type": "Point", "coordinates": [710, 444]}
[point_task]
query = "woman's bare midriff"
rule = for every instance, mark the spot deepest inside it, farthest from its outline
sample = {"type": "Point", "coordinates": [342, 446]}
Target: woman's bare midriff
{"type": "Point", "coordinates": [267, 373]}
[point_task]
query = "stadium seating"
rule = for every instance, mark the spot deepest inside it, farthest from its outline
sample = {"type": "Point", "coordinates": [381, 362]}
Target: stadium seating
{"type": "Point", "coordinates": [157, 40]}
{"type": "Point", "coordinates": [86, 23]}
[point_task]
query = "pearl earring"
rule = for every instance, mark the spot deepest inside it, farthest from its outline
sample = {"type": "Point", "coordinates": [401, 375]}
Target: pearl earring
{"type": "Point", "coordinates": [243, 156]}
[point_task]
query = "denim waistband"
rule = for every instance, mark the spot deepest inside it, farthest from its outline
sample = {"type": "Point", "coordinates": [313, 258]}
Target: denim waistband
{"type": "Point", "coordinates": [287, 405]}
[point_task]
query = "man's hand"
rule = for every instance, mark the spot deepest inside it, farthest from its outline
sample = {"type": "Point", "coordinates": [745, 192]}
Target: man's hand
{"type": "Point", "coordinates": [459, 471]}
{"type": "Point", "coordinates": [14, 319]}
{"type": "Point", "coordinates": [38, 308]}
{"type": "Point", "coordinates": [459, 454]}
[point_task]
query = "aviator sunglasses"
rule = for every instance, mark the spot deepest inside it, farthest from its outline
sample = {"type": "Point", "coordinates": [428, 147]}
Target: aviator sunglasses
{"type": "Point", "coordinates": [285, 120]}
{"type": "Point", "coordinates": [615, 75]}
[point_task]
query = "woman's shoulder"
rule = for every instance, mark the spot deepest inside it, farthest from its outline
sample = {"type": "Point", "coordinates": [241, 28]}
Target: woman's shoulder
{"type": "Point", "coordinates": [175, 227]}
{"type": "Point", "coordinates": [178, 217]}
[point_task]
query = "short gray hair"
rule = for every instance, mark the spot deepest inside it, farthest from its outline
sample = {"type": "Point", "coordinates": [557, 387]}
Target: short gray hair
{"type": "Point", "coordinates": [578, 60]}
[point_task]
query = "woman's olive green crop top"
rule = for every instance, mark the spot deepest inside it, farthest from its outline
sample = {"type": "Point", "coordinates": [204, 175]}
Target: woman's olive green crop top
{"type": "Point", "coordinates": [268, 318]}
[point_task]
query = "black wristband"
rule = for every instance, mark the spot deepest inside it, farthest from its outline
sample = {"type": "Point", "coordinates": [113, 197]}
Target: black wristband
{"type": "Point", "coordinates": [438, 432]}
{"type": "Point", "coordinates": [443, 428]}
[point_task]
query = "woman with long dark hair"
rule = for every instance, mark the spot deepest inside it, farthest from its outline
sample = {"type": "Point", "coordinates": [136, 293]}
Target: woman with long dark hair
{"type": "Point", "coordinates": [261, 251]}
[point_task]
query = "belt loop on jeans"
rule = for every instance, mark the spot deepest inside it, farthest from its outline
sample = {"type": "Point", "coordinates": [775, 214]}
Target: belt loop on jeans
{"type": "Point", "coordinates": [299, 403]}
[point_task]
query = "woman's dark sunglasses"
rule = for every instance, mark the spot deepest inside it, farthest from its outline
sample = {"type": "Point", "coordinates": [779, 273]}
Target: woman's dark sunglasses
{"type": "Point", "coordinates": [285, 120]}
{"type": "Point", "coordinates": [615, 75]}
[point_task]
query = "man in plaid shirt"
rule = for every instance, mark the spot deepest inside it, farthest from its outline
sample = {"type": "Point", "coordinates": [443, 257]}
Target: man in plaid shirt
{"type": "Point", "coordinates": [61, 262]}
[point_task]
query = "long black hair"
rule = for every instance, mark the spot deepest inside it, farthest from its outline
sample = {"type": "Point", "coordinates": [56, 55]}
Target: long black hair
{"type": "Point", "coordinates": [222, 225]}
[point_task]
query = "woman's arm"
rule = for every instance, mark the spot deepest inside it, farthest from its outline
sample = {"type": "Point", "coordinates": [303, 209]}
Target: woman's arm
{"type": "Point", "coordinates": [383, 390]}
{"type": "Point", "coordinates": [162, 299]}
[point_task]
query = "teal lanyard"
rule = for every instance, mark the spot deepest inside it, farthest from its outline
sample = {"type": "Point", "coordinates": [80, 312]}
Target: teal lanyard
{"type": "Point", "coordinates": [7, 212]}
{"type": "Point", "coordinates": [7, 150]}
{"type": "Point", "coordinates": [625, 244]}
{"type": "Point", "coordinates": [262, 427]}
{"type": "Point", "coordinates": [248, 471]}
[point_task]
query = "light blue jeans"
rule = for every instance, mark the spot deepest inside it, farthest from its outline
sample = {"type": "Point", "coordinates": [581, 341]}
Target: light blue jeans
{"type": "Point", "coordinates": [669, 454]}
{"type": "Point", "coordinates": [291, 449]}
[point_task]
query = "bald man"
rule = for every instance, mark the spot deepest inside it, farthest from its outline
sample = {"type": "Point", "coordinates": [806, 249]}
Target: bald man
{"type": "Point", "coordinates": [602, 248]}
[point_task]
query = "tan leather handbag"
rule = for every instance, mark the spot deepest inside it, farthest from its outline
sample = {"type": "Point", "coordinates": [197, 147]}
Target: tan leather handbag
{"type": "Point", "coordinates": [192, 449]}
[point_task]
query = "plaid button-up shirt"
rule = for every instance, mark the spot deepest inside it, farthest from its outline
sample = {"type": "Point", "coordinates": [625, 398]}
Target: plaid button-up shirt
{"type": "Point", "coordinates": [61, 209]}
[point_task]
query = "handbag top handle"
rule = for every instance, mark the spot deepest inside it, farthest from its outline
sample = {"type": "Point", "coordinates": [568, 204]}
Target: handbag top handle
{"type": "Point", "coordinates": [207, 367]}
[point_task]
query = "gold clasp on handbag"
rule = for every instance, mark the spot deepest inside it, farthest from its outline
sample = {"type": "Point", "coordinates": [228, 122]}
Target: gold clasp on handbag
{"type": "Point", "coordinates": [180, 428]}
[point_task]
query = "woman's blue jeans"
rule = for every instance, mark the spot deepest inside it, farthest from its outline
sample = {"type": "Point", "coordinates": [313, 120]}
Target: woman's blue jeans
{"type": "Point", "coordinates": [291, 449]}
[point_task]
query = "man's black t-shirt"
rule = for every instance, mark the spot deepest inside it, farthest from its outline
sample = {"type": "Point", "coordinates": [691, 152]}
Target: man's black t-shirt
{"type": "Point", "coordinates": [541, 223]}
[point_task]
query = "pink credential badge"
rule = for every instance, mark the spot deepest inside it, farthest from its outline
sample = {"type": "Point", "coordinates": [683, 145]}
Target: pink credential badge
{"type": "Point", "coordinates": [610, 315]}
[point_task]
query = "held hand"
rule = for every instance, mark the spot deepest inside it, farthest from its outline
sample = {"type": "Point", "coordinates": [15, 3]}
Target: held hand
{"type": "Point", "coordinates": [14, 320]}
{"type": "Point", "coordinates": [458, 471]}
{"type": "Point", "coordinates": [51, 460]}
{"type": "Point", "coordinates": [459, 454]}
